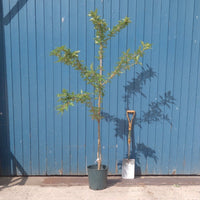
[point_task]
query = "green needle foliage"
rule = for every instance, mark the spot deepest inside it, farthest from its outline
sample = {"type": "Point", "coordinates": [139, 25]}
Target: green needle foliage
{"type": "Point", "coordinates": [94, 76]}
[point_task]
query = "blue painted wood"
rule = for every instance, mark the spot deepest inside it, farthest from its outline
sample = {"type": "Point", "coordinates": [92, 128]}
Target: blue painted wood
{"type": "Point", "coordinates": [195, 157]}
{"type": "Point", "coordinates": [16, 75]}
{"type": "Point", "coordinates": [7, 29]}
{"type": "Point", "coordinates": [165, 92]}
{"type": "Point", "coordinates": [105, 125]}
{"type": "Point", "coordinates": [33, 68]}
{"type": "Point", "coordinates": [121, 112]}
{"type": "Point", "coordinates": [130, 87]}
{"type": "Point", "coordinates": [139, 36]}
{"type": "Point", "coordinates": [90, 132]}
{"type": "Point", "coordinates": [81, 140]}
{"type": "Point", "coordinates": [176, 92]}
{"type": "Point", "coordinates": [50, 115]}
{"type": "Point", "coordinates": [41, 91]}
{"type": "Point", "coordinates": [169, 83]}
{"type": "Point", "coordinates": [161, 81]}
{"type": "Point", "coordinates": [4, 119]}
{"type": "Point", "coordinates": [73, 111]}
{"type": "Point", "coordinates": [147, 75]}
{"type": "Point", "coordinates": [185, 88]}
{"type": "Point", "coordinates": [191, 92]}
{"type": "Point", "coordinates": [26, 142]}
{"type": "Point", "coordinates": [65, 84]}
{"type": "Point", "coordinates": [153, 86]}
{"type": "Point", "coordinates": [195, 114]}
{"type": "Point", "coordinates": [188, 138]}
{"type": "Point", "coordinates": [113, 118]}
{"type": "Point", "coordinates": [57, 20]}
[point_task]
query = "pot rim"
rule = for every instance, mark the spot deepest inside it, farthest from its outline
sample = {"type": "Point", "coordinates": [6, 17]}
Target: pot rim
{"type": "Point", "coordinates": [105, 167]}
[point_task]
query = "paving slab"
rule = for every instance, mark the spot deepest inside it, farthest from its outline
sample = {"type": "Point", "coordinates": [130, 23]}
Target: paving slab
{"type": "Point", "coordinates": [76, 188]}
{"type": "Point", "coordinates": [112, 181]}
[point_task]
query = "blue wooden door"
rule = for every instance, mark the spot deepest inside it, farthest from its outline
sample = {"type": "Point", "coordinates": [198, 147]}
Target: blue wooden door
{"type": "Point", "coordinates": [164, 92]}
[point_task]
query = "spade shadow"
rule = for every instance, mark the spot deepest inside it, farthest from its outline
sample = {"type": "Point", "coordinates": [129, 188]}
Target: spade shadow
{"type": "Point", "coordinates": [154, 113]}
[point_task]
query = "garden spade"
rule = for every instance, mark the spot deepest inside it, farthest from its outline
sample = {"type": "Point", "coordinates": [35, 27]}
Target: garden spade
{"type": "Point", "coordinates": [128, 165]}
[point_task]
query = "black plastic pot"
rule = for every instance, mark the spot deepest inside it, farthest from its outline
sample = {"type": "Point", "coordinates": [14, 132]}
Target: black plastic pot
{"type": "Point", "coordinates": [97, 178]}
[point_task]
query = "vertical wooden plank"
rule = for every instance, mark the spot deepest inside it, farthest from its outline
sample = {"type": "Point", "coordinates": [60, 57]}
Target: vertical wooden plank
{"type": "Point", "coordinates": [41, 91]}
{"type": "Point", "coordinates": [17, 154]}
{"type": "Point", "coordinates": [20, 162]}
{"type": "Point", "coordinates": [196, 149]}
{"type": "Point", "coordinates": [3, 94]}
{"type": "Point", "coordinates": [81, 147]}
{"type": "Point", "coordinates": [65, 84]}
{"type": "Point", "coordinates": [139, 71]}
{"type": "Point", "coordinates": [145, 83]}
{"type": "Point", "coordinates": [153, 89]}
{"type": "Point", "coordinates": [73, 87]}
{"type": "Point", "coordinates": [113, 92]}
{"type": "Point", "coordinates": [139, 36]}
{"type": "Point", "coordinates": [163, 42]}
{"type": "Point", "coordinates": [105, 128]}
{"type": "Point", "coordinates": [131, 89]}
{"type": "Point", "coordinates": [4, 118]}
{"type": "Point", "coordinates": [57, 88]}
{"type": "Point", "coordinates": [32, 52]}
{"type": "Point", "coordinates": [130, 86]}
{"type": "Point", "coordinates": [162, 70]}
{"type": "Point", "coordinates": [9, 65]}
{"type": "Point", "coordinates": [49, 85]}
{"type": "Point", "coordinates": [25, 89]}
{"type": "Point", "coordinates": [196, 60]}
{"type": "Point", "coordinates": [182, 145]}
{"type": "Point", "coordinates": [176, 88]}
{"type": "Point", "coordinates": [169, 82]}
{"type": "Point", "coordinates": [191, 140]}
{"type": "Point", "coordinates": [90, 132]}
{"type": "Point", "coordinates": [121, 112]}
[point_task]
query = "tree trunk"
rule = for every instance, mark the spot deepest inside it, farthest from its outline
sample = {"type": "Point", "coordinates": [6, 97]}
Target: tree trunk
{"type": "Point", "coordinates": [99, 106]}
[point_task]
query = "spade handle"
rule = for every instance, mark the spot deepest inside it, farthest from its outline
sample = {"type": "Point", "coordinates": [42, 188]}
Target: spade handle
{"type": "Point", "coordinates": [130, 121]}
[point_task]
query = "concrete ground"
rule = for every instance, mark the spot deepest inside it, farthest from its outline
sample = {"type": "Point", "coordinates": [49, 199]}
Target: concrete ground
{"type": "Point", "coordinates": [58, 188]}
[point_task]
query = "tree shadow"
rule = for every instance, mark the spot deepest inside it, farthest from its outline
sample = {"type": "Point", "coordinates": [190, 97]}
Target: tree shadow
{"type": "Point", "coordinates": [9, 181]}
{"type": "Point", "coordinates": [4, 119]}
{"type": "Point", "coordinates": [113, 181]}
{"type": "Point", "coordinates": [139, 150]}
{"type": "Point", "coordinates": [135, 86]}
{"type": "Point", "coordinates": [17, 166]}
{"type": "Point", "coordinates": [9, 165]}
{"type": "Point", "coordinates": [14, 10]}
{"type": "Point", "coordinates": [154, 113]}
